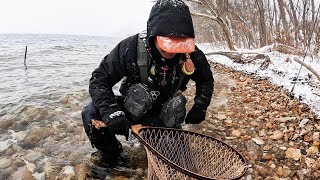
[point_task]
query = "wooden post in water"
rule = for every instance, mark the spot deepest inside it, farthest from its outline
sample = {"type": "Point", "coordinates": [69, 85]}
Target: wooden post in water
{"type": "Point", "coordinates": [25, 58]}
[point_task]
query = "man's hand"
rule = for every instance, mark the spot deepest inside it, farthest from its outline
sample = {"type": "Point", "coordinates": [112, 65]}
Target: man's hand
{"type": "Point", "coordinates": [196, 115]}
{"type": "Point", "coordinates": [119, 125]}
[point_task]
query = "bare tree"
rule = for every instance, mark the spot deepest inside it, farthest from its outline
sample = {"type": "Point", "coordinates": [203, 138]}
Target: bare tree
{"type": "Point", "coordinates": [262, 27]}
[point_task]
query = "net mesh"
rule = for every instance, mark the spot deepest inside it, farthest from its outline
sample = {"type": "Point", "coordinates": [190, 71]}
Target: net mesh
{"type": "Point", "coordinates": [178, 154]}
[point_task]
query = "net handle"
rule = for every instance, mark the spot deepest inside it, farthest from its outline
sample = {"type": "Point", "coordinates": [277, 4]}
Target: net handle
{"type": "Point", "coordinates": [136, 128]}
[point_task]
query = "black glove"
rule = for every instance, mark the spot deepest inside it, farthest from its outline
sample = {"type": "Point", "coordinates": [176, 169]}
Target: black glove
{"type": "Point", "coordinates": [196, 115]}
{"type": "Point", "coordinates": [119, 125]}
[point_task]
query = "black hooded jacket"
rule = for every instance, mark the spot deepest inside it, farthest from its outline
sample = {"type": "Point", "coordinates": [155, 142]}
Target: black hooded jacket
{"type": "Point", "coordinates": [167, 18]}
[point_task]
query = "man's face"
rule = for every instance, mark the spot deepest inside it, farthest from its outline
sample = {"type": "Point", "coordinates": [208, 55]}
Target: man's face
{"type": "Point", "coordinates": [163, 53]}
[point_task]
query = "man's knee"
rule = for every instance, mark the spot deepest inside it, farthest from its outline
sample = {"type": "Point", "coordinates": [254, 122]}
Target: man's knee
{"type": "Point", "coordinates": [174, 111]}
{"type": "Point", "coordinates": [89, 112]}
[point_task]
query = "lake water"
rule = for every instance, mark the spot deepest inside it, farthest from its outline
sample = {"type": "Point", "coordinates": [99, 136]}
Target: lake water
{"type": "Point", "coordinates": [56, 66]}
{"type": "Point", "coordinates": [41, 132]}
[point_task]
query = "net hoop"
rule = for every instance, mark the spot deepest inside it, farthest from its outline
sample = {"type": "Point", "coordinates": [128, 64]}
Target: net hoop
{"type": "Point", "coordinates": [137, 129]}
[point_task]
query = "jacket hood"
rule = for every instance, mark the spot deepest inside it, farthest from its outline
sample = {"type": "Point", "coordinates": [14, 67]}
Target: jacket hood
{"type": "Point", "coordinates": [170, 18]}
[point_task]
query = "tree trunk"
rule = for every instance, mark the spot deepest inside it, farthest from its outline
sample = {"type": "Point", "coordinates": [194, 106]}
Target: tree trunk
{"type": "Point", "coordinates": [295, 23]}
{"type": "Point", "coordinates": [283, 19]}
{"type": "Point", "coordinates": [312, 10]}
{"type": "Point", "coordinates": [262, 27]}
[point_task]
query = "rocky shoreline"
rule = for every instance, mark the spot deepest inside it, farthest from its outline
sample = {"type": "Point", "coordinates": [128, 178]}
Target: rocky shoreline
{"type": "Point", "coordinates": [278, 135]}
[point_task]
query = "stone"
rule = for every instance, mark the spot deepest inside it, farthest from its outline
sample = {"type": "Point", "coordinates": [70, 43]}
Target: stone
{"type": "Point", "coordinates": [221, 116]}
{"type": "Point", "coordinates": [236, 133]}
{"type": "Point", "coordinates": [262, 133]}
{"type": "Point", "coordinates": [316, 143]}
{"type": "Point", "coordinates": [30, 166]}
{"type": "Point", "coordinates": [280, 171]}
{"type": "Point", "coordinates": [316, 165]}
{"type": "Point", "coordinates": [267, 157]}
{"type": "Point", "coordinates": [315, 136]}
{"type": "Point", "coordinates": [32, 156]}
{"type": "Point", "coordinates": [313, 150]}
{"type": "Point", "coordinates": [283, 148]}
{"type": "Point", "coordinates": [39, 176]}
{"type": "Point", "coordinates": [309, 162]}
{"type": "Point", "coordinates": [19, 135]}
{"type": "Point", "coordinates": [276, 135]}
{"type": "Point", "coordinates": [258, 141]}
{"type": "Point", "coordinates": [293, 153]}
{"type": "Point", "coordinates": [37, 134]}
{"type": "Point", "coordinates": [22, 172]}
{"type": "Point", "coordinates": [303, 122]}
{"type": "Point", "coordinates": [81, 171]}
{"type": "Point", "coordinates": [67, 173]}
{"type": "Point", "coordinates": [286, 171]}
{"type": "Point", "coordinates": [285, 119]}
{"type": "Point", "coordinates": [229, 121]}
{"type": "Point", "coordinates": [5, 162]}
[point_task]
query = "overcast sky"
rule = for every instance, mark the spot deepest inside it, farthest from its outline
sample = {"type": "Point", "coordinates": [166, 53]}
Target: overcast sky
{"type": "Point", "coordinates": [85, 17]}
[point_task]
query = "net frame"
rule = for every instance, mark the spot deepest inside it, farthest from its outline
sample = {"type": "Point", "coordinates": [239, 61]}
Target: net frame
{"type": "Point", "coordinates": [156, 156]}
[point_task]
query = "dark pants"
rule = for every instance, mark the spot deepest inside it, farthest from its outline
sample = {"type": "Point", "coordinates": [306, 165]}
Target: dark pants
{"type": "Point", "coordinates": [101, 138]}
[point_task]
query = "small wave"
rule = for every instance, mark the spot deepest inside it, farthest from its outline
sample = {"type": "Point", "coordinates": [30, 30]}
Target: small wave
{"type": "Point", "coordinates": [63, 48]}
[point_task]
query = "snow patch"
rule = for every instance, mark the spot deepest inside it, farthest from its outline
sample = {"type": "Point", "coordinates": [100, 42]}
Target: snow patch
{"type": "Point", "coordinates": [282, 71]}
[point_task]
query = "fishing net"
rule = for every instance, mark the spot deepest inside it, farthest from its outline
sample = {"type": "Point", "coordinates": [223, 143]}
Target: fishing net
{"type": "Point", "coordinates": [179, 154]}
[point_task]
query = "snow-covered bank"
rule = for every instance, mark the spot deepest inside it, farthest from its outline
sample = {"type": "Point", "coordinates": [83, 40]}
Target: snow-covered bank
{"type": "Point", "coordinates": [282, 71]}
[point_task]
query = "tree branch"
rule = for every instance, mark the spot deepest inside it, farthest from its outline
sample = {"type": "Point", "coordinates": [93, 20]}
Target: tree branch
{"type": "Point", "coordinates": [308, 67]}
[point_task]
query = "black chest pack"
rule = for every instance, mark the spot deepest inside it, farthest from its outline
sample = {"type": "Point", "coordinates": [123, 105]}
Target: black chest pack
{"type": "Point", "coordinates": [144, 61]}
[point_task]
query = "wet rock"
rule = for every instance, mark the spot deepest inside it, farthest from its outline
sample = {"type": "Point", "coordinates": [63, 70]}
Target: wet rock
{"type": "Point", "coordinates": [4, 174]}
{"type": "Point", "coordinates": [81, 170]}
{"type": "Point", "coordinates": [32, 156]}
{"type": "Point", "coordinates": [276, 135]}
{"type": "Point", "coordinates": [37, 134]}
{"type": "Point", "coordinates": [18, 135]}
{"type": "Point", "coordinates": [293, 153]}
{"type": "Point", "coordinates": [22, 173]}
{"type": "Point", "coordinates": [258, 141]}
{"type": "Point", "coordinates": [18, 163]}
{"type": "Point", "coordinates": [39, 176]}
{"type": "Point", "coordinates": [5, 162]}
{"type": "Point", "coordinates": [6, 144]}
{"type": "Point", "coordinates": [30, 166]}
{"type": "Point", "coordinates": [66, 173]}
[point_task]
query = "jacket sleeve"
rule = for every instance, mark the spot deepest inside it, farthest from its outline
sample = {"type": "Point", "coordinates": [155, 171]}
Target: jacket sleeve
{"type": "Point", "coordinates": [203, 79]}
{"type": "Point", "coordinates": [110, 71]}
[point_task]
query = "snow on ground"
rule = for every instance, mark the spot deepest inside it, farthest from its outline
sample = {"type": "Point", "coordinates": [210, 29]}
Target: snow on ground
{"type": "Point", "coordinates": [282, 71]}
